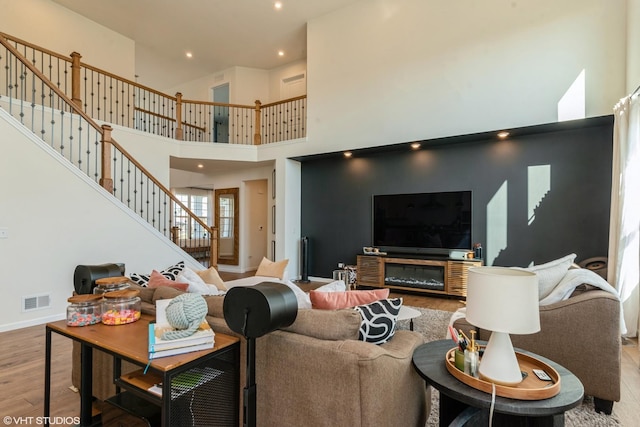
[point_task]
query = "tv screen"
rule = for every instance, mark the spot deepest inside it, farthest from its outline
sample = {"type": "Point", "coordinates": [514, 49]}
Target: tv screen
{"type": "Point", "coordinates": [422, 222]}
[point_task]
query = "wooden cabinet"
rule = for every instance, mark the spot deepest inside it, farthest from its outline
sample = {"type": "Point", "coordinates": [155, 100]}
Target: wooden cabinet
{"type": "Point", "coordinates": [431, 275]}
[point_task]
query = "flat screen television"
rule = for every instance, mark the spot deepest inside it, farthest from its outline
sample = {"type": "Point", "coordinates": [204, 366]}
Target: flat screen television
{"type": "Point", "coordinates": [422, 223]}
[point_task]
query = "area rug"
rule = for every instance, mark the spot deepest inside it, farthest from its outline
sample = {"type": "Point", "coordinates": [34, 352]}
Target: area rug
{"type": "Point", "coordinates": [432, 324]}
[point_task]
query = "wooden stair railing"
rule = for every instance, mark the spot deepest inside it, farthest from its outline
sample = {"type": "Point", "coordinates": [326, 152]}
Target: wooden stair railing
{"type": "Point", "coordinates": [117, 100]}
{"type": "Point", "coordinates": [63, 122]}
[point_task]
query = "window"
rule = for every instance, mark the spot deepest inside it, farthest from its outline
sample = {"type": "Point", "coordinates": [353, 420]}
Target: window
{"type": "Point", "coordinates": [226, 216]}
{"type": "Point", "coordinates": [198, 202]}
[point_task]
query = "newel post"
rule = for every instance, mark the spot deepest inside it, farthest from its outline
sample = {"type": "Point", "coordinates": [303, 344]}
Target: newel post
{"type": "Point", "coordinates": [179, 131]}
{"type": "Point", "coordinates": [106, 181]}
{"type": "Point", "coordinates": [213, 249]}
{"type": "Point", "coordinates": [75, 79]}
{"type": "Point", "coordinates": [257, 134]}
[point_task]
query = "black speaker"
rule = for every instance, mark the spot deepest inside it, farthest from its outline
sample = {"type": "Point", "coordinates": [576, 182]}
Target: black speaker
{"type": "Point", "coordinates": [254, 311]}
{"type": "Point", "coordinates": [304, 260]}
{"type": "Point", "coordinates": [85, 276]}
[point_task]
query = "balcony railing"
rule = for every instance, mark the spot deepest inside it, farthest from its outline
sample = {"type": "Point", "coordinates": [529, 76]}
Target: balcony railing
{"type": "Point", "coordinates": [106, 97]}
{"type": "Point", "coordinates": [41, 106]}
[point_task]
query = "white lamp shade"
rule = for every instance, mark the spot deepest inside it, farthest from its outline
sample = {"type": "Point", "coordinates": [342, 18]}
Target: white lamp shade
{"type": "Point", "coordinates": [503, 299]}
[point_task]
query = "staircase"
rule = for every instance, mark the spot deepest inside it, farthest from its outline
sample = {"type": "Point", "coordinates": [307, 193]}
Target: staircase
{"type": "Point", "coordinates": [43, 107]}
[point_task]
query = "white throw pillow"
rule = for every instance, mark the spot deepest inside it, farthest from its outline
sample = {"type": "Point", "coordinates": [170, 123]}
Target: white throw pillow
{"type": "Point", "coordinates": [196, 284]}
{"type": "Point", "coordinates": [335, 286]}
{"type": "Point", "coordinates": [550, 273]}
{"type": "Point", "coordinates": [304, 301]}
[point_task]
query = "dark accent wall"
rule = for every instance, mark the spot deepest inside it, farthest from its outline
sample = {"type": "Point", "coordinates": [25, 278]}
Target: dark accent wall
{"type": "Point", "coordinates": [573, 217]}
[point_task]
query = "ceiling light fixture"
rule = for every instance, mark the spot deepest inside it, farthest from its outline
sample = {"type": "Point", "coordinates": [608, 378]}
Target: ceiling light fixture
{"type": "Point", "coordinates": [189, 55]}
{"type": "Point", "coordinates": [348, 154]}
{"type": "Point", "coordinates": [200, 165]}
{"type": "Point", "coordinates": [415, 145]}
{"type": "Point", "coordinates": [277, 5]}
{"type": "Point", "coordinates": [281, 53]}
{"type": "Point", "coordinates": [503, 134]}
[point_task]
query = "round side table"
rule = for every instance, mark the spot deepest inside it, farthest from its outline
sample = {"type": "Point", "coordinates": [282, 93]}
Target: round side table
{"type": "Point", "coordinates": [456, 398]}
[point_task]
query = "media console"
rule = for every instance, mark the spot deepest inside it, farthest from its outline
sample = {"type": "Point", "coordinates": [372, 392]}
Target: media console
{"type": "Point", "coordinates": [445, 276]}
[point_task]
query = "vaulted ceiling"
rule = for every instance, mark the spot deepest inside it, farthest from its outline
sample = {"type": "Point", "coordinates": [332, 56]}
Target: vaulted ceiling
{"type": "Point", "coordinates": [219, 33]}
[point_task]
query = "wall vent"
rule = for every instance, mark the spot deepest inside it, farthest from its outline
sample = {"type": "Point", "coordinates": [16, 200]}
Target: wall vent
{"type": "Point", "coordinates": [293, 78]}
{"type": "Point", "coordinates": [36, 302]}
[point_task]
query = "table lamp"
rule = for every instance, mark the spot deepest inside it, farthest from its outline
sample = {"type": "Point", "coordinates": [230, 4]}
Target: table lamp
{"type": "Point", "coordinates": [504, 301]}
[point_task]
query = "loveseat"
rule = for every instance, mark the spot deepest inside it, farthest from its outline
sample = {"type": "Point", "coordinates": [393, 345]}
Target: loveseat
{"type": "Point", "coordinates": [581, 333]}
{"type": "Point", "coordinates": [313, 373]}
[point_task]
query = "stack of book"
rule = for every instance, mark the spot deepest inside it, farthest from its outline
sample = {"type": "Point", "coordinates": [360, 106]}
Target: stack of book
{"type": "Point", "coordinates": [202, 339]}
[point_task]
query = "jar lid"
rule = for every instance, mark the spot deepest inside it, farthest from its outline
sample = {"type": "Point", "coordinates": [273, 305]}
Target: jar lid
{"type": "Point", "coordinates": [123, 293]}
{"type": "Point", "coordinates": [84, 298]}
{"type": "Point", "coordinates": [111, 281]}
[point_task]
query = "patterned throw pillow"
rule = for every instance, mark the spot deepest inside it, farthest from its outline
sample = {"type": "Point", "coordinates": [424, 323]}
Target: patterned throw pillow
{"type": "Point", "coordinates": [170, 273]}
{"type": "Point", "coordinates": [379, 320]}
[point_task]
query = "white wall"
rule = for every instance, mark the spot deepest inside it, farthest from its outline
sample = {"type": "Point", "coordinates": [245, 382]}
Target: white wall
{"type": "Point", "coordinates": [47, 24]}
{"type": "Point", "coordinates": [633, 45]}
{"type": "Point", "coordinates": [57, 219]}
{"type": "Point", "coordinates": [401, 70]}
{"type": "Point", "coordinates": [246, 179]}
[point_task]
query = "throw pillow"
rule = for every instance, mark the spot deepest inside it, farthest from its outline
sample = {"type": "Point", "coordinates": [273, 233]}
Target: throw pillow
{"type": "Point", "coordinates": [196, 284]}
{"type": "Point", "coordinates": [157, 280]}
{"type": "Point", "coordinates": [379, 320]}
{"type": "Point", "coordinates": [211, 276]}
{"type": "Point", "coordinates": [270, 268]}
{"type": "Point", "coordinates": [551, 273]}
{"type": "Point", "coordinates": [335, 286]}
{"type": "Point", "coordinates": [170, 273]}
{"type": "Point", "coordinates": [301, 296]}
{"type": "Point", "coordinates": [346, 299]}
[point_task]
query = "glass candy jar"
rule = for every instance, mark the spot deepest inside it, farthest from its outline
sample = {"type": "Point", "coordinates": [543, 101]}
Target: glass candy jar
{"type": "Point", "coordinates": [109, 284]}
{"type": "Point", "coordinates": [121, 307]}
{"type": "Point", "coordinates": [84, 310]}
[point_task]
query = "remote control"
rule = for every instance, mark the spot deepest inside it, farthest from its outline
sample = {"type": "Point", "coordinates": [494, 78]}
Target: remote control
{"type": "Point", "coordinates": [542, 374]}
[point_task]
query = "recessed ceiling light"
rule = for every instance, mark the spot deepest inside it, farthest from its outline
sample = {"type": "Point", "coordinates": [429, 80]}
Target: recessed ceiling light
{"type": "Point", "coordinates": [415, 145]}
{"type": "Point", "coordinates": [200, 165]}
{"type": "Point", "coordinates": [277, 5]}
{"type": "Point", "coordinates": [281, 53]}
{"type": "Point", "coordinates": [348, 154]}
{"type": "Point", "coordinates": [189, 55]}
{"type": "Point", "coordinates": [503, 134]}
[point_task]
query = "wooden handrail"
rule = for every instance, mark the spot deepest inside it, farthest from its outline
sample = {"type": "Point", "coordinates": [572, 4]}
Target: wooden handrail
{"type": "Point", "coordinates": [34, 47]}
{"type": "Point", "coordinates": [151, 113]}
{"type": "Point", "coordinates": [284, 101]}
{"type": "Point", "coordinates": [99, 129]}
{"type": "Point", "coordinates": [122, 79]}
{"type": "Point", "coordinates": [215, 104]}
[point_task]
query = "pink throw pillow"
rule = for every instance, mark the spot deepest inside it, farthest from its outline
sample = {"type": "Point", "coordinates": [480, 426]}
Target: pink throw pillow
{"type": "Point", "coordinates": [157, 279]}
{"type": "Point", "coordinates": [346, 299]}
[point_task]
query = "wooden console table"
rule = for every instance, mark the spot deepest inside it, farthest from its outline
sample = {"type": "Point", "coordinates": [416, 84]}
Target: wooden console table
{"type": "Point", "coordinates": [452, 274]}
{"type": "Point", "coordinates": [213, 375]}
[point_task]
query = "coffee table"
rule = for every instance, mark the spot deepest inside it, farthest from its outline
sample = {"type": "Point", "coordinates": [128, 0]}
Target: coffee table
{"type": "Point", "coordinates": [408, 313]}
{"type": "Point", "coordinates": [458, 400]}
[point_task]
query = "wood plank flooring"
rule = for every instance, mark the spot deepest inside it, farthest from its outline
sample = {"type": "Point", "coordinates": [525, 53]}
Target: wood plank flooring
{"type": "Point", "coordinates": [22, 372]}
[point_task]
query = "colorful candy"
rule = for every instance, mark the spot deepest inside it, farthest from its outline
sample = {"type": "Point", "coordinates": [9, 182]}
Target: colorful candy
{"type": "Point", "coordinates": [120, 317]}
{"type": "Point", "coordinates": [83, 319]}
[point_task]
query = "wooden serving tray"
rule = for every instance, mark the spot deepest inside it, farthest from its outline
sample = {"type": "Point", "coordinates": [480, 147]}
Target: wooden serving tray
{"type": "Point", "coordinates": [531, 388]}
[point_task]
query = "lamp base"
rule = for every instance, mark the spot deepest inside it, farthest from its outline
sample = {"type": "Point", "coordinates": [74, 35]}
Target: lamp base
{"type": "Point", "coordinates": [499, 364]}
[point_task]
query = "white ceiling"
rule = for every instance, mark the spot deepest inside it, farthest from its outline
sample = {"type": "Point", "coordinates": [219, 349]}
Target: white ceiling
{"type": "Point", "coordinates": [219, 33]}
{"type": "Point", "coordinates": [213, 166]}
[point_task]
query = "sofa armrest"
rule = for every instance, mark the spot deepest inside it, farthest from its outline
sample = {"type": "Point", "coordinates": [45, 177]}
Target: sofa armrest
{"type": "Point", "coordinates": [581, 333]}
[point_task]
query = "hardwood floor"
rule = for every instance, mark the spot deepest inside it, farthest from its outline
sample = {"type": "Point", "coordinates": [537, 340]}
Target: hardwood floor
{"type": "Point", "coordinates": [22, 372]}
